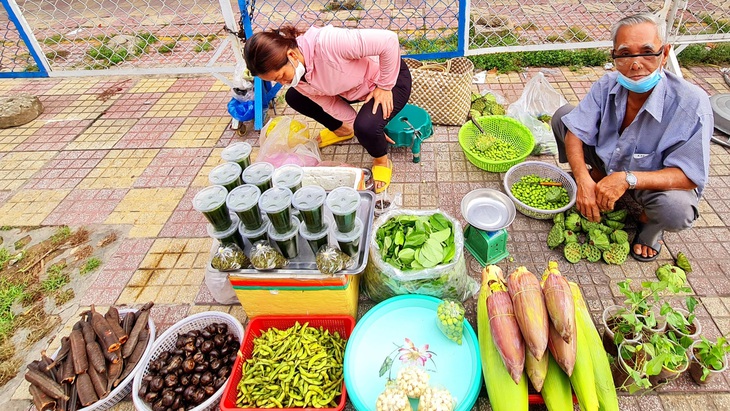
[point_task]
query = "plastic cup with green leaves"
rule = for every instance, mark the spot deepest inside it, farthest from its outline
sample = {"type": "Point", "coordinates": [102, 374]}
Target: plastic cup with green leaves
{"type": "Point", "coordinates": [344, 202]}
{"type": "Point", "coordinates": [309, 200]}
{"type": "Point", "coordinates": [254, 236]}
{"type": "Point", "coordinates": [259, 174]}
{"type": "Point", "coordinates": [276, 203]}
{"type": "Point", "coordinates": [289, 176]}
{"type": "Point", "coordinates": [231, 235]}
{"type": "Point", "coordinates": [349, 242]}
{"type": "Point", "coordinates": [288, 241]}
{"type": "Point", "coordinates": [239, 152]}
{"type": "Point", "coordinates": [244, 201]}
{"type": "Point", "coordinates": [227, 175]}
{"type": "Point", "coordinates": [211, 201]}
{"type": "Point", "coordinates": [315, 239]}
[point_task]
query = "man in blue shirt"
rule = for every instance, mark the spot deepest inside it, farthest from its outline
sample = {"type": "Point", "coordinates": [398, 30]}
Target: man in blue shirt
{"type": "Point", "coordinates": [640, 129]}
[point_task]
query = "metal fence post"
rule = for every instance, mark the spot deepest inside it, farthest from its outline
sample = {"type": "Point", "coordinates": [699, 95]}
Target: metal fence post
{"type": "Point", "coordinates": [26, 34]}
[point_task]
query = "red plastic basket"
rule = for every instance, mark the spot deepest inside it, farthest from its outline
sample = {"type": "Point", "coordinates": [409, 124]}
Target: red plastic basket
{"type": "Point", "coordinates": [343, 324]}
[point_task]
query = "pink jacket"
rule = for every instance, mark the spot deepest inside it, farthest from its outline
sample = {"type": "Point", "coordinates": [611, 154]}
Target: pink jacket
{"type": "Point", "coordinates": [347, 63]}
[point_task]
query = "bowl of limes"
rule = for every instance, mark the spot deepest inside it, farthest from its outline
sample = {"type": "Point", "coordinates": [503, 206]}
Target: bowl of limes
{"type": "Point", "coordinates": [503, 143]}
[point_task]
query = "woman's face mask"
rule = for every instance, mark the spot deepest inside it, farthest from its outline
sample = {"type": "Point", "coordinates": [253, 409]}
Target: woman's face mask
{"type": "Point", "coordinates": [299, 71]}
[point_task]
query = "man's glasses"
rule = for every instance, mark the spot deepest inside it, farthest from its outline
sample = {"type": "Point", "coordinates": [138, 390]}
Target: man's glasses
{"type": "Point", "coordinates": [627, 59]}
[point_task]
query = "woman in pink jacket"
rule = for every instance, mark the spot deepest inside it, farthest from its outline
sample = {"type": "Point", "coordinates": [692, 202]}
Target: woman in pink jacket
{"type": "Point", "coordinates": [327, 69]}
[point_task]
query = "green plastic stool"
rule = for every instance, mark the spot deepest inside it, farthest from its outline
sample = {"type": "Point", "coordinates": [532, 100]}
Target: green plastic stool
{"type": "Point", "coordinates": [409, 128]}
{"type": "Point", "coordinates": [487, 247]}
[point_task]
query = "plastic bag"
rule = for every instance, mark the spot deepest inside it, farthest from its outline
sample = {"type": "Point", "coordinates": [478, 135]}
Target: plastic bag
{"type": "Point", "coordinates": [241, 110]}
{"type": "Point", "coordinates": [392, 399]}
{"type": "Point", "coordinates": [229, 257]}
{"type": "Point", "coordinates": [330, 260]}
{"type": "Point", "coordinates": [265, 257]}
{"type": "Point", "coordinates": [412, 380]}
{"type": "Point", "coordinates": [450, 320]}
{"type": "Point", "coordinates": [284, 140]}
{"type": "Point", "coordinates": [451, 280]}
{"type": "Point", "coordinates": [534, 108]}
{"type": "Point", "coordinates": [436, 399]}
{"type": "Point", "coordinates": [220, 287]}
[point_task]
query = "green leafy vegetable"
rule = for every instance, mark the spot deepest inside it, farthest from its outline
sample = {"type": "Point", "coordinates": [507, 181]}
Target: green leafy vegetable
{"type": "Point", "coordinates": [416, 242]}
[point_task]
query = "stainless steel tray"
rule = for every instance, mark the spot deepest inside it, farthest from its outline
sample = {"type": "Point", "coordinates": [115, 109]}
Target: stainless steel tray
{"type": "Point", "coordinates": [304, 266]}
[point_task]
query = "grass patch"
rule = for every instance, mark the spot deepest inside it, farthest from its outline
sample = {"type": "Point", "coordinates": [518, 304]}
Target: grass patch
{"type": "Point", "coordinates": [64, 296]}
{"type": "Point", "coordinates": [5, 256]}
{"type": "Point", "coordinates": [204, 46]}
{"type": "Point", "coordinates": [148, 38]}
{"type": "Point", "coordinates": [6, 228]}
{"type": "Point", "coordinates": [56, 279]}
{"type": "Point", "coordinates": [109, 56]}
{"type": "Point", "coordinates": [54, 39]}
{"type": "Point", "coordinates": [701, 54]}
{"type": "Point", "coordinates": [167, 47]}
{"type": "Point", "coordinates": [90, 265]}
{"type": "Point", "coordinates": [423, 45]}
{"type": "Point", "coordinates": [336, 5]}
{"type": "Point", "coordinates": [506, 62]}
{"type": "Point", "coordinates": [61, 234]}
{"type": "Point", "coordinates": [9, 294]}
{"type": "Point", "coordinates": [716, 25]}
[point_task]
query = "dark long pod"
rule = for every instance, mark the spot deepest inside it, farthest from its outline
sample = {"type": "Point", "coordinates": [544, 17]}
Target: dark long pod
{"type": "Point", "coordinates": [62, 353]}
{"type": "Point", "coordinates": [47, 385]}
{"type": "Point", "coordinates": [139, 325]}
{"type": "Point", "coordinates": [104, 331]}
{"type": "Point", "coordinates": [78, 349]}
{"type": "Point", "coordinates": [100, 383]}
{"type": "Point", "coordinates": [112, 317]}
{"type": "Point", "coordinates": [137, 353]}
{"type": "Point", "coordinates": [68, 369]}
{"type": "Point", "coordinates": [114, 370]}
{"type": "Point", "coordinates": [85, 389]}
{"type": "Point", "coordinates": [96, 357]}
{"type": "Point", "coordinates": [41, 400]}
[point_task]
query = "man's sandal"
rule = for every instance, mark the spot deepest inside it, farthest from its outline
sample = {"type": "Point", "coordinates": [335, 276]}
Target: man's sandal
{"type": "Point", "coordinates": [383, 174]}
{"type": "Point", "coordinates": [656, 247]}
{"type": "Point", "coordinates": [327, 138]}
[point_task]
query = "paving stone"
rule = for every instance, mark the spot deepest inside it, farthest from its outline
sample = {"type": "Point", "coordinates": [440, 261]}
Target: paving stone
{"type": "Point", "coordinates": [19, 109]}
{"type": "Point", "coordinates": [30, 207]}
{"type": "Point", "coordinates": [686, 402]}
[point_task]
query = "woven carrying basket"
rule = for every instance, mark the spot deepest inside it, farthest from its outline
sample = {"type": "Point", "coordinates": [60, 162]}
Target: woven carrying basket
{"type": "Point", "coordinates": [442, 89]}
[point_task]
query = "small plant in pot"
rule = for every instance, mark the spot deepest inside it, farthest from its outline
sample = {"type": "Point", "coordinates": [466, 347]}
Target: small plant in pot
{"type": "Point", "coordinates": [619, 325]}
{"type": "Point", "coordinates": [668, 362]}
{"type": "Point", "coordinates": [684, 327]}
{"type": "Point", "coordinates": [629, 369]}
{"type": "Point", "coordinates": [708, 359]}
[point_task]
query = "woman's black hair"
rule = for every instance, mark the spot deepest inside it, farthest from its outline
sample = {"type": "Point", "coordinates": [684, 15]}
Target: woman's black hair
{"type": "Point", "coordinates": [266, 51]}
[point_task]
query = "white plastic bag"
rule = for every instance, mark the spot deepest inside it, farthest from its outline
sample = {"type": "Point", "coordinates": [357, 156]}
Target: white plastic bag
{"type": "Point", "coordinates": [382, 280]}
{"type": "Point", "coordinates": [284, 140]}
{"type": "Point", "coordinates": [538, 99]}
{"type": "Point", "coordinates": [220, 287]}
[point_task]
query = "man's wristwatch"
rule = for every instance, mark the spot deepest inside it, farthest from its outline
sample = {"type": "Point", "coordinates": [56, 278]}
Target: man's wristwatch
{"type": "Point", "coordinates": [631, 179]}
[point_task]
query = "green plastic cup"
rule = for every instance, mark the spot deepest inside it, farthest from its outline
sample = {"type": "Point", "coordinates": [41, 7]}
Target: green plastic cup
{"type": "Point", "coordinates": [309, 200]}
{"type": "Point", "coordinates": [254, 236]}
{"type": "Point", "coordinates": [259, 174]}
{"type": "Point", "coordinates": [289, 176]}
{"type": "Point", "coordinates": [276, 203]}
{"type": "Point", "coordinates": [244, 201]}
{"type": "Point", "coordinates": [211, 201]}
{"type": "Point", "coordinates": [349, 242]}
{"type": "Point", "coordinates": [239, 153]}
{"type": "Point", "coordinates": [287, 242]}
{"type": "Point", "coordinates": [315, 239]}
{"type": "Point", "coordinates": [227, 175]}
{"type": "Point", "coordinates": [343, 202]}
{"type": "Point", "coordinates": [228, 236]}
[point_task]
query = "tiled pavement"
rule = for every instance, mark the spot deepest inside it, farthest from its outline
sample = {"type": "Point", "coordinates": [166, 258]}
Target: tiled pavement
{"type": "Point", "coordinates": [135, 158]}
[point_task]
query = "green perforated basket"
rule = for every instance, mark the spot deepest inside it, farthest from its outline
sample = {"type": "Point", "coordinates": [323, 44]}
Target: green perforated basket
{"type": "Point", "coordinates": [504, 128]}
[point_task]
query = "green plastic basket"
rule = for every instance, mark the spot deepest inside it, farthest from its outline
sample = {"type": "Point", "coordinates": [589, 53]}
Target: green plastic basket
{"type": "Point", "coordinates": [504, 128]}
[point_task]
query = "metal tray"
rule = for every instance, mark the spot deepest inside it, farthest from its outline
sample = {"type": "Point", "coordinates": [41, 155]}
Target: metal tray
{"type": "Point", "coordinates": [304, 266]}
{"type": "Point", "coordinates": [488, 209]}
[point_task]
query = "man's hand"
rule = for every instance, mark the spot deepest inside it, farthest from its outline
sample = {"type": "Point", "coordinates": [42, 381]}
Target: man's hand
{"type": "Point", "coordinates": [609, 190]}
{"type": "Point", "coordinates": [585, 200]}
{"type": "Point", "coordinates": [384, 98]}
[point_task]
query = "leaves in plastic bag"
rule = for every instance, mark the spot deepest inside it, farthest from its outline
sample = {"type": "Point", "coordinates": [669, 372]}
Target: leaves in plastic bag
{"type": "Point", "coordinates": [229, 257]}
{"type": "Point", "coordinates": [265, 257]}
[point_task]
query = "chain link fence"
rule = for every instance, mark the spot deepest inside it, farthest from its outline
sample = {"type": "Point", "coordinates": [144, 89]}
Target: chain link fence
{"type": "Point", "coordinates": [424, 27]}
{"type": "Point", "coordinates": [100, 37]}
{"type": "Point", "coordinates": [164, 36]}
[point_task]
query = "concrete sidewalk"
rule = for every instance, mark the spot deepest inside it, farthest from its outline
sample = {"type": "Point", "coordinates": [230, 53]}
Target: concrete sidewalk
{"type": "Point", "coordinates": [130, 153]}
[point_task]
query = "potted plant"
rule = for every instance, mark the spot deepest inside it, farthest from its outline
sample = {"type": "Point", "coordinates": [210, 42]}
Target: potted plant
{"type": "Point", "coordinates": [619, 325]}
{"type": "Point", "coordinates": [683, 324]}
{"type": "Point", "coordinates": [708, 359]}
{"type": "Point", "coordinates": [668, 361]}
{"type": "Point", "coordinates": [629, 367]}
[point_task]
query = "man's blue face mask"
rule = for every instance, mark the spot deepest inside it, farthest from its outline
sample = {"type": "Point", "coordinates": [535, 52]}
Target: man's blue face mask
{"type": "Point", "coordinates": [641, 86]}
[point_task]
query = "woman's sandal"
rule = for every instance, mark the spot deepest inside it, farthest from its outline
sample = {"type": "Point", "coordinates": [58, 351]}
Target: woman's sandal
{"type": "Point", "coordinates": [383, 174]}
{"type": "Point", "coordinates": [327, 138]}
